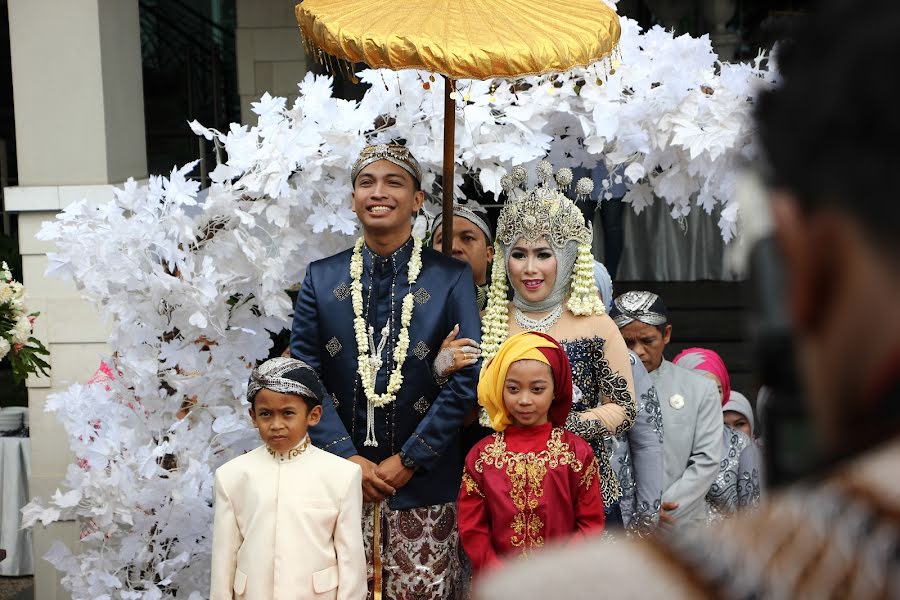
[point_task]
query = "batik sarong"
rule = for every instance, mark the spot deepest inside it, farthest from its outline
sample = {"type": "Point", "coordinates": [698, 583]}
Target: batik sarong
{"type": "Point", "coordinates": [419, 552]}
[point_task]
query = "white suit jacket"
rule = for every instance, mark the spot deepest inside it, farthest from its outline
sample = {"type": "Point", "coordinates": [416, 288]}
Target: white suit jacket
{"type": "Point", "coordinates": [692, 446]}
{"type": "Point", "coordinates": [288, 526]}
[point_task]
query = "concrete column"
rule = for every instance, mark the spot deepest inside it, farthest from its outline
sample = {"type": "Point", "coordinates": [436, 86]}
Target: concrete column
{"type": "Point", "coordinates": [717, 13]}
{"type": "Point", "coordinates": [270, 54]}
{"type": "Point", "coordinates": [79, 113]}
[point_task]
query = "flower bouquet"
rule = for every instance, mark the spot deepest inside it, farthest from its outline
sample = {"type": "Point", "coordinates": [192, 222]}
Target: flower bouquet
{"type": "Point", "coordinates": [16, 326]}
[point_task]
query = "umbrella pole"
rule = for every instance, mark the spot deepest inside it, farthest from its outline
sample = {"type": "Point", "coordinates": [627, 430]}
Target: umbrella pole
{"type": "Point", "coordinates": [449, 160]}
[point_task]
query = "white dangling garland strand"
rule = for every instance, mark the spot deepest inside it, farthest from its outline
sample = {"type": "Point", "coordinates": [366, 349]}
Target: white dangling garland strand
{"type": "Point", "coordinates": [584, 297]}
{"type": "Point", "coordinates": [495, 323]}
{"type": "Point", "coordinates": [366, 363]}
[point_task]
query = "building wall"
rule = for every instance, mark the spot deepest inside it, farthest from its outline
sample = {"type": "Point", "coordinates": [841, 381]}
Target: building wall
{"type": "Point", "coordinates": [79, 117]}
{"type": "Point", "coordinates": [270, 54]}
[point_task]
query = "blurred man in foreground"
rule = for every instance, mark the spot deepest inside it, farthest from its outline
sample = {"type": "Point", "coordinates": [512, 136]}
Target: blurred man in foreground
{"type": "Point", "coordinates": [836, 535]}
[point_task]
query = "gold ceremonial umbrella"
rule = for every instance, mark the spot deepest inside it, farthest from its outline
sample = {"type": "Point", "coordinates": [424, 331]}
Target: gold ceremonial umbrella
{"type": "Point", "coordinates": [460, 39]}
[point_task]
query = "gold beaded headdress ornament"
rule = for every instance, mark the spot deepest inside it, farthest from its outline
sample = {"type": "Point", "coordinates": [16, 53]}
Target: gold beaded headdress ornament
{"type": "Point", "coordinates": [543, 211]}
{"type": "Point", "coordinates": [394, 153]}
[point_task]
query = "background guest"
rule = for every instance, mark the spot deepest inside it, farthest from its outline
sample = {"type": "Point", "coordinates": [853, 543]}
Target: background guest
{"type": "Point", "coordinates": [738, 483]}
{"type": "Point", "coordinates": [690, 405]}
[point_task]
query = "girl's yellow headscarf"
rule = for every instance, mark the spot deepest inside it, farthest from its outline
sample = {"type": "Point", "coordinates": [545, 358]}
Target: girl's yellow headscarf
{"type": "Point", "coordinates": [525, 346]}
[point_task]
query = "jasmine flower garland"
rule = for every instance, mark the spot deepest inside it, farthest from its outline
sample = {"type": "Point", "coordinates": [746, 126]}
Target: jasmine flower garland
{"type": "Point", "coordinates": [367, 372]}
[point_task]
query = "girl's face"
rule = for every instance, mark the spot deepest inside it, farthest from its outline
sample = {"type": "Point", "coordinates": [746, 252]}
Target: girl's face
{"type": "Point", "coordinates": [736, 420]}
{"type": "Point", "coordinates": [532, 269]}
{"type": "Point", "coordinates": [528, 392]}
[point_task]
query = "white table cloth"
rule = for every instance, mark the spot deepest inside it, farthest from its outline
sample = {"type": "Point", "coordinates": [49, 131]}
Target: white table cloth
{"type": "Point", "coordinates": [15, 469]}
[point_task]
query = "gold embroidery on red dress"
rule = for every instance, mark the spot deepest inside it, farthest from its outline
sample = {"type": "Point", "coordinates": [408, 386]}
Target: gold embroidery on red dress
{"type": "Point", "coordinates": [526, 472]}
{"type": "Point", "coordinates": [471, 485]}
{"type": "Point", "coordinates": [587, 478]}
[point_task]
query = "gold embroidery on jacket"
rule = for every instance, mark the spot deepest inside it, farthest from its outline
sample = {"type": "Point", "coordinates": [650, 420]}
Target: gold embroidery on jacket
{"type": "Point", "coordinates": [293, 452]}
{"type": "Point", "coordinates": [471, 484]}
{"type": "Point", "coordinates": [526, 472]}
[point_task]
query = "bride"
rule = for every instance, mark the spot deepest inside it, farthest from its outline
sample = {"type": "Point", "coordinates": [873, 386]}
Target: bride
{"type": "Point", "coordinates": [543, 249]}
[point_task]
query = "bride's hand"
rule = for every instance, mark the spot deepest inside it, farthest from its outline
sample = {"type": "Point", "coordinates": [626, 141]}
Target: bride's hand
{"type": "Point", "coordinates": [455, 354]}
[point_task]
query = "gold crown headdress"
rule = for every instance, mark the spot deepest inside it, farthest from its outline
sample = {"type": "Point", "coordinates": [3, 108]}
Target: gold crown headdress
{"type": "Point", "coordinates": [543, 211]}
{"type": "Point", "coordinates": [394, 153]}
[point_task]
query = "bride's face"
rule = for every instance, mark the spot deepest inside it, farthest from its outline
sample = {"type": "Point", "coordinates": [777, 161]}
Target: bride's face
{"type": "Point", "coordinates": [532, 269]}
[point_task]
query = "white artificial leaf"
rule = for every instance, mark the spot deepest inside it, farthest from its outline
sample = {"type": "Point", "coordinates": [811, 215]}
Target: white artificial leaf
{"type": "Point", "coordinates": [634, 172]}
{"type": "Point", "coordinates": [200, 130]}
{"type": "Point", "coordinates": [67, 500]}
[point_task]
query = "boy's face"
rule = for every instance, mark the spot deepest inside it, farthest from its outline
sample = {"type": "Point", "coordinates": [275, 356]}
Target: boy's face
{"type": "Point", "coordinates": [282, 419]}
{"type": "Point", "coordinates": [528, 392]}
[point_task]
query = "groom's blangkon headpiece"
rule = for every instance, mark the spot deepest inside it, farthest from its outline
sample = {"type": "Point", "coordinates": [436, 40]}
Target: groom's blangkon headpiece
{"type": "Point", "coordinates": [393, 153]}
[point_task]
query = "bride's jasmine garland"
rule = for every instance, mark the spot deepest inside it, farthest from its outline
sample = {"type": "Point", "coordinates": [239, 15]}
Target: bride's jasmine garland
{"type": "Point", "coordinates": [495, 324]}
{"type": "Point", "coordinates": [585, 297]}
{"type": "Point", "coordinates": [367, 370]}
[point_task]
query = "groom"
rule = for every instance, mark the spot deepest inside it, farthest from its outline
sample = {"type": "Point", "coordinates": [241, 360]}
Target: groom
{"type": "Point", "coordinates": [370, 320]}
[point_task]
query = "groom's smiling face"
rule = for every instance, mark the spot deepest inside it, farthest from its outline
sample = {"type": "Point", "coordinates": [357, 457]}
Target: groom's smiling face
{"type": "Point", "coordinates": [385, 197]}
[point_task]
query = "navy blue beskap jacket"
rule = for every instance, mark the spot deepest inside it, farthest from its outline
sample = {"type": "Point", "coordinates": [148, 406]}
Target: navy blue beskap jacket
{"type": "Point", "coordinates": [425, 419]}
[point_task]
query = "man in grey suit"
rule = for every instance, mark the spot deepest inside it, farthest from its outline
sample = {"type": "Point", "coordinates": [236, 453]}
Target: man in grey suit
{"type": "Point", "coordinates": [691, 410]}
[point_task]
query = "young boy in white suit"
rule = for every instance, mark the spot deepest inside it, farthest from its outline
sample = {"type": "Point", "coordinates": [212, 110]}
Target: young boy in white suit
{"type": "Point", "coordinates": [287, 515]}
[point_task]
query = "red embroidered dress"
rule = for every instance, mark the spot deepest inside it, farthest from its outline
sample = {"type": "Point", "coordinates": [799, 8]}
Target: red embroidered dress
{"type": "Point", "coordinates": [524, 487]}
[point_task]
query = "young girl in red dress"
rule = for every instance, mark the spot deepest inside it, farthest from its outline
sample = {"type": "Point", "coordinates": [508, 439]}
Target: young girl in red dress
{"type": "Point", "coordinates": [531, 481]}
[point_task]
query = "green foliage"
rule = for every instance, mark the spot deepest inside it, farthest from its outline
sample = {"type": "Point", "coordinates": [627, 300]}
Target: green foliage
{"type": "Point", "coordinates": [27, 360]}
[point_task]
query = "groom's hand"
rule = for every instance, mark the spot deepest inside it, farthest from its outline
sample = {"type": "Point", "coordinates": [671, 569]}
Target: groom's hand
{"type": "Point", "coordinates": [373, 487]}
{"type": "Point", "coordinates": [393, 473]}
